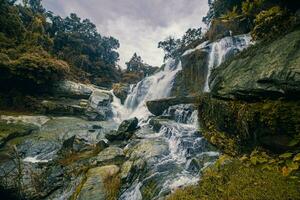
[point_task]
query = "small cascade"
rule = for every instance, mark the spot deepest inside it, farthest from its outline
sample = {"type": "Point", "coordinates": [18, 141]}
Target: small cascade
{"type": "Point", "coordinates": [224, 49]}
{"type": "Point", "coordinates": [153, 87]}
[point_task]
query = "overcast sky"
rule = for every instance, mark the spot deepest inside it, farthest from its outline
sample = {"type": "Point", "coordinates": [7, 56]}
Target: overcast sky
{"type": "Point", "coordinates": [138, 24]}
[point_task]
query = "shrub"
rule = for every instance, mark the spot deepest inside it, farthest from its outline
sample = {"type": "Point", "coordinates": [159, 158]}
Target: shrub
{"type": "Point", "coordinates": [271, 23]}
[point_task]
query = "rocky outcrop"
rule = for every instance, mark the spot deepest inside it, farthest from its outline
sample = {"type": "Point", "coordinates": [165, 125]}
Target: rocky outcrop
{"type": "Point", "coordinates": [236, 126]}
{"type": "Point", "coordinates": [121, 90]}
{"type": "Point", "coordinates": [221, 28]}
{"type": "Point", "coordinates": [125, 130]}
{"type": "Point", "coordinates": [95, 185]}
{"type": "Point", "coordinates": [194, 70]}
{"type": "Point", "coordinates": [255, 98]}
{"type": "Point", "coordinates": [265, 70]}
{"type": "Point", "coordinates": [157, 107]}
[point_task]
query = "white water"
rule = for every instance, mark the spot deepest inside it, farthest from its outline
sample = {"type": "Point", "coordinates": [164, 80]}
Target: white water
{"type": "Point", "coordinates": [224, 48]}
{"type": "Point", "coordinates": [153, 87]}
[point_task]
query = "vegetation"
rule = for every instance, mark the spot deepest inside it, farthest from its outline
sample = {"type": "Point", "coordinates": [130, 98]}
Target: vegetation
{"type": "Point", "coordinates": [236, 178]}
{"type": "Point", "coordinates": [264, 18]}
{"type": "Point", "coordinates": [136, 70]}
{"type": "Point", "coordinates": [38, 47]}
{"type": "Point", "coordinates": [175, 47]}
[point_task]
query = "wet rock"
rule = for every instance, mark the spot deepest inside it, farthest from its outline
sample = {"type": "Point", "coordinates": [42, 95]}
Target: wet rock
{"type": "Point", "coordinates": [157, 107]}
{"type": "Point", "coordinates": [77, 144]}
{"type": "Point", "coordinates": [99, 105]}
{"type": "Point", "coordinates": [94, 187]}
{"type": "Point", "coordinates": [101, 145]}
{"type": "Point", "coordinates": [126, 172]}
{"type": "Point", "coordinates": [128, 125]}
{"type": "Point", "coordinates": [62, 107]}
{"type": "Point", "coordinates": [158, 122]}
{"type": "Point", "coordinates": [263, 71]}
{"type": "Point", "coordinates": [125, 130]}
{"type": "Point", "coordinates": [121, 90]}
{"type": "Point", "coordinates": [10, 131]}
{"type": "Point", "coordinates": [191, 79]}
{"type": "Point", "coordinates": [110, 155]}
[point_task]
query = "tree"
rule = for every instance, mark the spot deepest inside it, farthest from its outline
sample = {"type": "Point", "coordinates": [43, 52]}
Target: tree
{"type": "Point", "coordinates": [135, 63]}
{"type": "Point", "coordinates": [36, 6]}
{"type": "Point", "coordinates": [170, 45]}
{"type": "Point", "coordinates": [191, 35]}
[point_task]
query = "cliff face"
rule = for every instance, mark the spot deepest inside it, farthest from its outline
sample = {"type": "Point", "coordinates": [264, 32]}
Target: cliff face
{"type": "Point", "coordinates": [255, 98]}
{"type": "Point", "coordinates": [194, 70]}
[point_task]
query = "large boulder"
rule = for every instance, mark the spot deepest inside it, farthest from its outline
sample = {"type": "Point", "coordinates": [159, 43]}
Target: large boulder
{"type": "Point", "coordinates": [191, 79]}
{"type": "Point", "coordinates": [265, 70]}
{"type": "Point", "coordinates": [10, 131]}
{"type": "Point", "coordinates": [97, 183]}
{"type": "Point", "coordinates": [157, 107]}
{"type": "Point", "coordinates": [125, 130]}
{"type": "Point", "coordinates": [99, 105]}
{"type": "Point", "coordinates": [121, 90]}
{"type": "Point", "coordinates": [72, 89]}
{"type": "Point", "coordinates": [128, 125]}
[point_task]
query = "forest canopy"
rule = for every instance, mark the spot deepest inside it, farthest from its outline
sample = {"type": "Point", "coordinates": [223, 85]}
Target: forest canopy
{"type": "Point", "coordinates": [78, 49]}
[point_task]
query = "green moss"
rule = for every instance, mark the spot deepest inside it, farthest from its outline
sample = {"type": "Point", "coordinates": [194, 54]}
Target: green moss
{"type": "Point", "coordinates": [237, 126]}
{"type": "Point", "coordinates": [235, 180]}
{"type": "Point", "coordinates": [13, 130]}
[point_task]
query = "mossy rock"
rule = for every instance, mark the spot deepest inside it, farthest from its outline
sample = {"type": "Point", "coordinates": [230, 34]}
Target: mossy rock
{"type": "Point", "coordinates": [194, 70]}
{"type": "Point", "coordinates": [10, 131]}
{"type": "Point", "coordinates": [267, 70]}
{"type": "Point", "coordinates": [236, 126]}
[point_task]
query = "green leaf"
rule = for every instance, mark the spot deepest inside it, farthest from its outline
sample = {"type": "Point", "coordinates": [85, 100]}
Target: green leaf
{"type": "Point", "coordinates": [293, 142]}
{"type": "Point", "coordinates": [297, 157]}
{"type": "Point", "coordinates": [286, 155]}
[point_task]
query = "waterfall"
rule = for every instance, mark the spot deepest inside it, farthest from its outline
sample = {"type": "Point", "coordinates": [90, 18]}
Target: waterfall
{"type": "Point", "coordinates": [188, 153]}
{"type": "Point", "coordinates": [222, 50]}
{"type": "Point", "coordinates": [153, 87]}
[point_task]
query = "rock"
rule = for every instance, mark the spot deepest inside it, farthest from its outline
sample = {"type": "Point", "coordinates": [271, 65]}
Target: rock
{"type": "Point", "coordinates": [157, 107]}
{"type": "Point", "coordinates": [121, 90]}
{"type": "Point", "coordinates": [110, 155]}
{"type": "Point", "coordinates": [60, 107]}
{"type": "Point", "coordinates": [36, 120]}
{"type": "Point", "coordinates": [99, 105]}
{"type": "Point", "coordinates": [128, 125]}
{"type": "Point", "coordinates": [158, 122]}
{"type": "Point", "coordinates": [101, 145]}
{"type": "Point", "coordinates": [126, 172]}
{"type": "Point", "coordinates": [72, 89]}
{"type": "Point", "coordinates": [221, 28]}
{"type": "Point", "coordinates": [118, 135]}
{"type": "Point", "coordinates": [94, 188]}
{"type": "Point", "coordinates": [235, 126]}
{"type": "Point", "coordinates": [10, 131]}
{"type": "Point", "coordinates": [125, 130]}
{"type": "Point", "coordinates": [191, 79]}
{"type": "Point", "coordinates": [263, 71]}
{"type": "Point", "coordinates": [77, 144]}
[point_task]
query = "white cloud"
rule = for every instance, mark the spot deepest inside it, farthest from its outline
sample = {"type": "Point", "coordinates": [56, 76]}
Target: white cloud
{"type": "Point", "coordinates": [138, 24]}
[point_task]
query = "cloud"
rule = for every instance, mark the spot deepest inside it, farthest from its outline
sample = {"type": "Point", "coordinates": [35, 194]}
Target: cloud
{"type": "Point", "coordinates": [138, 24]}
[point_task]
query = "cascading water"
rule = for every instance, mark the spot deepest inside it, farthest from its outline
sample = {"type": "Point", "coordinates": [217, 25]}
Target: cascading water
{"type": "Point", "coordinates": [176, 154]}
{"type": "Point", "coordinates": [223, 49]}
{"type": "Point", "coordinates": [153, 87]}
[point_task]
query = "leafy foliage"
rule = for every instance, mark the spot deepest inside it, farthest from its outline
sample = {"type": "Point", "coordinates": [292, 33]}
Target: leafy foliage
{"type": "Point", "coordinates": [271, 22]}
{"type": "Point", "coordinates": [29, 34]}
{"type": "Point", "coordinates": [174, 47]}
